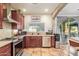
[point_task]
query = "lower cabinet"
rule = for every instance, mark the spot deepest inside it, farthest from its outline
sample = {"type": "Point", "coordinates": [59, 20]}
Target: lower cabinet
{"type": "Point", "coordinates": [33, 41]}
{"type": "Point", "coordinates": [5, 50]}
{"type": "Point", "coordinates": [36, 41]}
{"type": "Point", "coordinates": [53, 41]}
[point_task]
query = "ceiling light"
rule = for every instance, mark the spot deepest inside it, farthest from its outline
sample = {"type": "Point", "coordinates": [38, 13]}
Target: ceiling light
{"type": "Point", "coordinates": [46, 10]}
{"type": "Point", "coordinates": [24, 10]}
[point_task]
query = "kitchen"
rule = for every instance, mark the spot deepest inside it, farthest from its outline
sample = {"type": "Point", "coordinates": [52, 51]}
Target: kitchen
{"type": "Point", "coordinates": [28, 30]}
{"type": "Point", "coordinates": [31, 29]}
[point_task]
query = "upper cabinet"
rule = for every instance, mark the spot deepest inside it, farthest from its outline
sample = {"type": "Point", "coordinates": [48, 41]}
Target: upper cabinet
{"type": "Point", "coordinates": [2, 14]}
{"type": "Point", "coordinates": [14, 15]}
{"type": "Point", "coordinates": [17, 16]}
{"type": "Point", "coordinates": [21, 21]}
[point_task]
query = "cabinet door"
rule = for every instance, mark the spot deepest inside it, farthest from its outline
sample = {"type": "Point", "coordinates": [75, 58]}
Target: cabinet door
{"type": "Point", "coordinates": [14, 15]}
{"type": "Point", "coordinates": [27, 41]}
{"type": "Point", "coordinates": [5, 50]}
{"type": "Point", "coordinates": [1, 15]}
{"type": "Point", "coordinates": [1, 26]}
{"type": "Point", "coordinates": [53, 41]}
{"type": "Point", "coordinates": [1, 10]}
{"type": "Point", "coordinates": [38, 41]}
{"type": "Point", "coordinates": [33, 41]}
{"type": "Point", "coordinates": [30, 41]}
{"type": "Point", "coordinates": [24, 42]}
{"type": "Point", "coordinates": [21, 21]}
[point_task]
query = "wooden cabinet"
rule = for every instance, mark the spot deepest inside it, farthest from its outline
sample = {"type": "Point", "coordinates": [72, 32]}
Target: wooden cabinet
{"type": "Point", "coordinates": [24, 42]}
{"type": "Point", "coordinates": [17, 16]}
{"type": "Point", "coordinates": [14, 16]}
{"type": "Point", "coordinates": [2, 14]}
{"type": "Point", "coordinates": [5, 50]}
{"type": "Point", "coordinates": [21, 21]}
{"type": "Point", "coordinates": [53, 41]}
{"type": "Point", "coordinates": [33, 41]}
{"type": "Point", "coordinates": [36, 41]}
{"type": "Point", "coordinates": [27, 41]}
{"type": "Point", "coordinates": [1, 11]}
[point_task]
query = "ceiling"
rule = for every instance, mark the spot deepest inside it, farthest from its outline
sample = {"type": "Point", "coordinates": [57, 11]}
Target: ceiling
{"type": "Point", "coordinates": [71, 9]}
{"type": "Point", "coordinates": [35, 8]}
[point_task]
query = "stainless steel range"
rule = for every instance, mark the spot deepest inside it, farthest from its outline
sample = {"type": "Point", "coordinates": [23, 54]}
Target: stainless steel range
{"type": "Point", "coordinates": [17, 47]}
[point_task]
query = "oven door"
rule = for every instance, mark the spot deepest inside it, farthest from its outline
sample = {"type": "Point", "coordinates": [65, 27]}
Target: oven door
{"type": "Point", "coordinates": [18, 48]}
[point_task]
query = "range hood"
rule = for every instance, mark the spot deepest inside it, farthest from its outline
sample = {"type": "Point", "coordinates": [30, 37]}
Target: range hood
{"type": "Point", "coordinates": [8, 18]}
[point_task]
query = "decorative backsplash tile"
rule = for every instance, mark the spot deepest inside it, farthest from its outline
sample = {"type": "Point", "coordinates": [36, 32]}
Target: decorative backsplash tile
{"type": "Point", "coordinates": [5, 33]}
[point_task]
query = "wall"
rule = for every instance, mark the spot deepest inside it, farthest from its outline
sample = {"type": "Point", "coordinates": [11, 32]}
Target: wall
{"type": "Point", "coordinates": [46, 19]}
{"type": "Point", "coordinates": [6, 32]}
{"type": "Point", "coordinates": [6, 25]}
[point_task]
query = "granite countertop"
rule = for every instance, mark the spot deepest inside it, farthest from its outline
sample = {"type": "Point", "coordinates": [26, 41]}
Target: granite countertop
{"type": "Point", "coordinates": [39, 35]}
{"type": "Point", "coordinates": [3, 43]}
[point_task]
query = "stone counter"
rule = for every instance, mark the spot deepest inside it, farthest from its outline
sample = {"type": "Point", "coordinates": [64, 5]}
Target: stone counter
{"type": "Point", "coordinates": [39, 35]}
{"type": "Point", "coordinates": [3, 43]}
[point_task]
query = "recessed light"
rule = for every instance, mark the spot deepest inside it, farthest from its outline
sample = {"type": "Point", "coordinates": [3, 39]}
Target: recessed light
{"type": "Point", "coordinates": [24, 10]}
{"type": "Point", "coordinates": [46, 10]}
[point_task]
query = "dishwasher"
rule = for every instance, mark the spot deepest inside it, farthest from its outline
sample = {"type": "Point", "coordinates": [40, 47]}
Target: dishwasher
{"type": "Point", "coordinates": [46, 41]}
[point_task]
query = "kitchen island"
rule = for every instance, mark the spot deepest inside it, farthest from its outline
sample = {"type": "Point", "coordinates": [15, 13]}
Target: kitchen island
{"type": "Point", "coordinates": [39, 41]}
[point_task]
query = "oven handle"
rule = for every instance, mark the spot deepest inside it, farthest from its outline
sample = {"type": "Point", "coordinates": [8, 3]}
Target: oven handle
{"type": "Point", "coordinates": [15, 43]}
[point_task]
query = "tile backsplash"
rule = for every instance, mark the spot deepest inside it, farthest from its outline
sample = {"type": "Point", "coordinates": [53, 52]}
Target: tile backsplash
{"type": "Point", "coordinates": [5, 33]}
